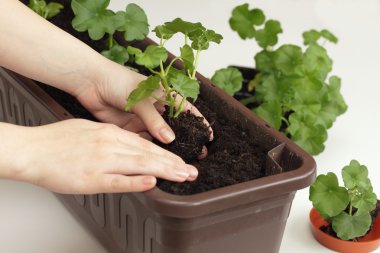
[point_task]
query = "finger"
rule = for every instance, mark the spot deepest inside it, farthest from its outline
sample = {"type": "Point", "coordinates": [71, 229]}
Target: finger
{"type": "Point", "coordinates": [190, 107]}
{"type": "Point", "coordinates": [150, 164]}
{"type": "Point", "coordinates": [131, 142]}
{"type": "Point", "coordinates": [110, 183]}
{"type": "Point", "coordinates": [156, 125]}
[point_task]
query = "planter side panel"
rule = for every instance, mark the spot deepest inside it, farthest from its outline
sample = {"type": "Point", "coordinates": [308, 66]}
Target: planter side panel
{"type": "Point", "coordinates": [17, 106]}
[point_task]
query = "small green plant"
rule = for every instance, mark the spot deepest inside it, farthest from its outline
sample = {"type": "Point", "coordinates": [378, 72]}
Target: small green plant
{"type": "Point", "coordinates": [293, 89]}
{"type": "Point", "coordinates": [94, 17]}
{"type": "Point", "coordinates": [47, 11]}
{"type": "Point", "coordinates": [346, 208]}
{"type": "Point", "coordinates": [174, 82]}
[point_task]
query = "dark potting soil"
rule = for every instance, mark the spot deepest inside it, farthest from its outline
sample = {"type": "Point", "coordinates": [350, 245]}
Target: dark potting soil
{"type": "Point", "coordinates": [374, 215]}
{"type": "Point", "coordinates": [233, 157]}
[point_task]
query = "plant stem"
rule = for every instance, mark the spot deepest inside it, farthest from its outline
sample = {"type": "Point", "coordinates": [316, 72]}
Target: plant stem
{"type": "Point", "coordinates": [195, 64]}
{"type": "Point", "coordinates": [110, 41]}
{"type": "Point", "coordinates": [180, 107]}
{"type": "Point", "coordinates": [170, 65]}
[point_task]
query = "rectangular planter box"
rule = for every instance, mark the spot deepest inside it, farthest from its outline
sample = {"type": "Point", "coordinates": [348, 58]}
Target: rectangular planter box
{"type": "Point", "coordinates": [242, 218]}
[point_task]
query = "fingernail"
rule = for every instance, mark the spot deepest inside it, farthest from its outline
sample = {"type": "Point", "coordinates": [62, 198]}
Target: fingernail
{"type": "Point", "coordinates": [193, 172]}
{"type": "Point", "coordinates": [167, 134]}
{"type": "Point", "coordinates": [149, 181]}
{"type": "Point", "coordinates": [182, 173]}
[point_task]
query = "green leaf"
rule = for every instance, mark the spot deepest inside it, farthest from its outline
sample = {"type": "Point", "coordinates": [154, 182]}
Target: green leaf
{"type": "Point", "coordinates": [143, 90]}
{"type": "Point", "coordinates": [94, 17]}
{"type": "Point", "coordinates": [270, 112]}
{"type": "Point", "coordinates": [327, 196]}
{"type": "Point", "coordinates": [305, 132]}
{"type": "Point", "coordinates": [268, 36]}
{"type": "Point", "coordinates": [38, 6]}
{"type": "Point", "coordinates": [163, 32]}
{"type": "Point", "coordinates": [185, 86]}
{"type": "Point", "coordinates": [365, 202]}
{"type": "Point", "coordinates": [311, 36]}
{"type": "Point", "coordinates": [117, 54]}
{"type": "Point", "coordinates": [332, 102]}
{"type": "Point", "coordinates": [329, 36]}
{"type": "Point", "coordinates": [134, 50]}
{"type": "Point", "coordinates": [317, 62]}
{"type": "Point", "coordinates": [267, 89]}
{"type": "Point", "coordinates": [243, 20]}
{"type": "Point", "coordinates": [228, 79]}
{"type": "Point", "coordinates": [133, 22]}
{"type": "Point", "coordinates": [348, 227]}
{"type": "Point", "coordinates": [187, 56]}
{"type": "Point", "coordinates": [356, 175]}
{"type": "Point", "coordinates": [52, 9]}
{"type": "Point", "coordinates": [288, 59]}
{"type": "Point", "coordinates": [151, 57]}
{"type": "Point", "coordinates": [185, 27]}
{"type": "Point", "coordinates": [264, 61]}
{"type": "Point", "coordinates": [201, 38]}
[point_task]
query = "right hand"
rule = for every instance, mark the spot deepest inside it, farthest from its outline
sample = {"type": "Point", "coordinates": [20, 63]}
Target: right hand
{"type": "Point", "coordinates": [82, 157]}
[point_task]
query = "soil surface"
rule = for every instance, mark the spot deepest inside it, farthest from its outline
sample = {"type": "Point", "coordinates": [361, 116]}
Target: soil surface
{"type": "Point", "coordinates": [233, 157]}
{"type": "Point", "coordinates": [374, 214]}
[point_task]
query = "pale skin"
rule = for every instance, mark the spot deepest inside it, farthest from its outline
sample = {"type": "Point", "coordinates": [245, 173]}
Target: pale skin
{"type": "Point", "coordinates": [79, 156]}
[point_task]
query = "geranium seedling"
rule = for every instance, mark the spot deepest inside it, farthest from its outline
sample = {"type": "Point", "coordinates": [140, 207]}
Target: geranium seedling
{"type": "Point", "coordinates": [47, 11]}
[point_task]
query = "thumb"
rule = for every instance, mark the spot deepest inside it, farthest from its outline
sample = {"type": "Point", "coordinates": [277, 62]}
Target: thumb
{"type": "Point", "coordinates": [152, 119]}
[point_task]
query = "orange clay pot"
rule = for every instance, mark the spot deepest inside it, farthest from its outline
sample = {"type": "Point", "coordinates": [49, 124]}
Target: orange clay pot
{"type": "Point", "coordinates": [366, 244]}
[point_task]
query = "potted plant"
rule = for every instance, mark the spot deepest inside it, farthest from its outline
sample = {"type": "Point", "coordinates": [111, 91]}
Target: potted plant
{"type": "Point", "coordinates": [227, 215]}
{"type": "Point", "coordinates": [345, 219]}
{"type": "Point", "coordinates": [290, 88]}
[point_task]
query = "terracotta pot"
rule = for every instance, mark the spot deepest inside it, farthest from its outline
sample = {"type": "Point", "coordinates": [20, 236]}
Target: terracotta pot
{"type": "Point", "coordinates": [366, 244]}
{"type": "Point", "coordinates": [244, 218]}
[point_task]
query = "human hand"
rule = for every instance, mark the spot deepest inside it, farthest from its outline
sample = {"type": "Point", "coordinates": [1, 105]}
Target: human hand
{"type": "Point", "coordinates": [106, 98]}
{"type": "Point", "coordinates": [82, 157]}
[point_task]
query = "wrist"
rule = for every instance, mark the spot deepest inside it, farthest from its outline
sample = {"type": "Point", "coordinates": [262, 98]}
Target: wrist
{"type": "Point", "coordinates": [13, 163]}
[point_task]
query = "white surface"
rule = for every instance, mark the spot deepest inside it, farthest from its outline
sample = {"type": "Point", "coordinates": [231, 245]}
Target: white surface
{"type": "Point", "coordinates": [42, 223]}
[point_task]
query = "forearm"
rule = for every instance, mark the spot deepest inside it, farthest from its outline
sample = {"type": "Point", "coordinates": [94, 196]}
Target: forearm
{"type": "Point", "coordinates": [37, 49]}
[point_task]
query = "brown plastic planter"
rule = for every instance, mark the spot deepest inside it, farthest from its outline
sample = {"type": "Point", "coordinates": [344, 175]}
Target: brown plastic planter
{"type": "Point", "coordinates": [242, 218]}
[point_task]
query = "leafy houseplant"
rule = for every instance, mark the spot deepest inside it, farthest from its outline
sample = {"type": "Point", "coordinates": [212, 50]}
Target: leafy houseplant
{"type": "Point", "coordinates": [241, 217]}
{"type": "Point", "coordinates": [293, 91]}
{"type": "Point", "coordinates": [351, 211]}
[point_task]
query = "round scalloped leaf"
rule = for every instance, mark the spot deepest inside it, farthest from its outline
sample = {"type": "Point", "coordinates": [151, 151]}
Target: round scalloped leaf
{"type": "Point", "coordinates": [152, 56]}
{"type": "Point", "coordinates": [311, 36]}
{"type": "Point", "coordinates": [348, 227]}
{"type": "Point", "coordinates": [163, 32]}
{"type": "Point", "coordinates": [185, 27]}
{"type": "Point", "coordinates": [184, 85]}
{"type": "Point", "coordinates": [228, 79]}
{"type": "Point", "coordinates": [133, 22]}
{"type": "Point", "coordinates": [94, 17]}
{"type": "Point", "coordinates": [327, 196]}
{"type": "Point", "coordinates": [201, 38]}
{"type": "Point", "coordinates": [187, 56]}
{"type": "Point", "coordinates": [317, 62]}
{"type": "Point", "coordinates": [117, 54]}
{"type": "Point", "coordinates": [288, 59]}
{"type": "Point", "coordinates": [356, 175]}
{"type": "Point", "coordinates": [365, 202]}
{"type": "Point", "coordinates": [243, 20]}
{"type": "Point", "coordinates": [269, 35]}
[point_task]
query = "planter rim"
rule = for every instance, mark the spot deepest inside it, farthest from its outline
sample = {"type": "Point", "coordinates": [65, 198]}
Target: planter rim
{"type": "Point", "coordinates": [366, 244]}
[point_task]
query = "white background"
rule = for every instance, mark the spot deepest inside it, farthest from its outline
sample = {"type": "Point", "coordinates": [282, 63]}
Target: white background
{"type": "Point", "coordinates": [32, 220]}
